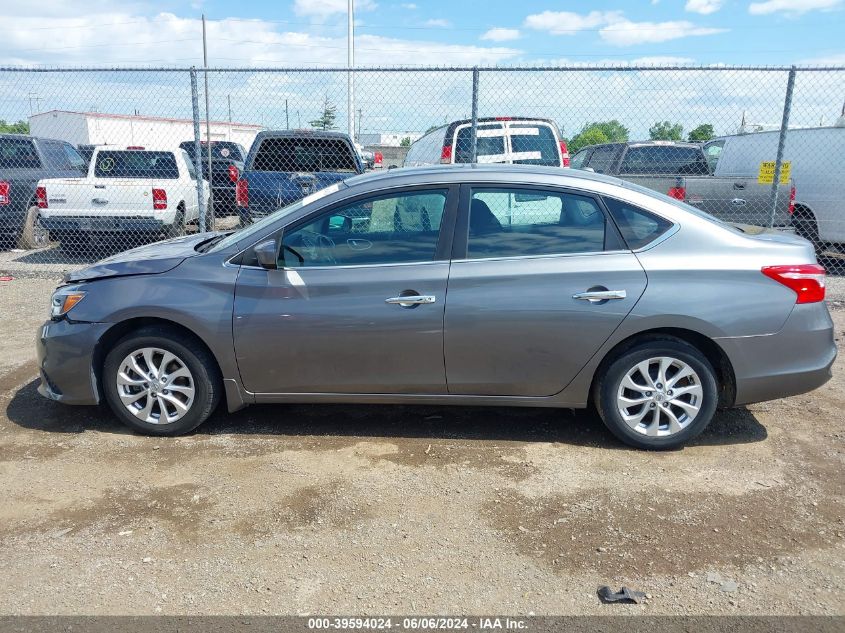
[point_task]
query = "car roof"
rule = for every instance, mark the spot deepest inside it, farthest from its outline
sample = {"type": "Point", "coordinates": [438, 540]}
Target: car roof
{"type": "Point", "coordinates": [306, 133]}
{"type": "Point", "coordinates": [474, 171]}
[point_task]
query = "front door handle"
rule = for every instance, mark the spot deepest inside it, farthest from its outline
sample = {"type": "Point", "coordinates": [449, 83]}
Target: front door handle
{"type": "Point", "coordinates": [594, 296]}
{"type": "Point", "coordinates": [408, 301]}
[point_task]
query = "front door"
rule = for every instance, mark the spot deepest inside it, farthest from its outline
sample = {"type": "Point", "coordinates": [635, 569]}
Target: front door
{"type": "Point", "coordinates": [357, 303]}
{"type": "Point", "coordinates": [542, 283]}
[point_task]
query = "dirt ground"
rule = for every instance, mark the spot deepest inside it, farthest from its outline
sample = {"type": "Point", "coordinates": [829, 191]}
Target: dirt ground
{"type": "Point", "coordinates": [394, 510]}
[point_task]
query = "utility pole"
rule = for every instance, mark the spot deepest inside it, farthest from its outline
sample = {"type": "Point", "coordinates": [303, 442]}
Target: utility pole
{"type": "Point", "coordinates": [360, 117]}
{"type": "Point", "coordinates": [229, 103]}
{"type": "Point", "coordinates": [287, 116]}
{"type": "Point", "coordinates": [350, 61]}
{"type": "Point", "coordinates": [209, 211]}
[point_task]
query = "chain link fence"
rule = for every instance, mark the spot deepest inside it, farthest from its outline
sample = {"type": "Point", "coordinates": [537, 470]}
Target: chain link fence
{"type": "Point", "coordinates": [95, 161]}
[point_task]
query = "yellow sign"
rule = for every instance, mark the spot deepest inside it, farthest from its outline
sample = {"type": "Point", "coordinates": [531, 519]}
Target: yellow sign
{"type": "Point", "coordinates": [766, 175]}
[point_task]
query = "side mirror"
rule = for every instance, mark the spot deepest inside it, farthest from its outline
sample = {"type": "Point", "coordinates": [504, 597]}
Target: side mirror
{"type": "Point", "coordinates": [267, 254]}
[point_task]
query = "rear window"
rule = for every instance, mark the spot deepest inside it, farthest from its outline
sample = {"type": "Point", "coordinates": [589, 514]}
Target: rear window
{"type": "Point", "coordinates": [136, 164]}
{"type": "Point", "coordinates": [534, 144]}
{"type": "Point", "coordinates": [663, 159]}
{"type": "Point", "coordinates": [18, 153]}
{"type": "Point", "coordinates": [638, 226]}
{"type": "Point", "coordinates": [220, 150]}
{"type": "Point", "coordinates": [305, 154]}
{"type": "Point", "coordinates": [490, 142]}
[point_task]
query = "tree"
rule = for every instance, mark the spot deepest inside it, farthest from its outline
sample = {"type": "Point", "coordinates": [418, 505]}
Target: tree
{"type": "Point", "coordinates": [703, 132]}
{"type": "Point", "coordinates": [598, 132]}
{"type": "Point", "coordinates": [21, 127]}
{"type": "Point", "coordinates": [327, 118]}
{"type": "Point", "coordinates": [666, 131]}
{"type": "Point", "coordinates": [405, 142]}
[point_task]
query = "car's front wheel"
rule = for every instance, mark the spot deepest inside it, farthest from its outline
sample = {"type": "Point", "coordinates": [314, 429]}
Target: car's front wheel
{"type": "Point", "coordinates": [160, 382]}
{"type": "Point", "coordinates": [658, 394]}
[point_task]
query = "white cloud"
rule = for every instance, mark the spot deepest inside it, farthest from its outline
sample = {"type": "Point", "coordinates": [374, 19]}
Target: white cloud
{"type": "Point", "coordinates": [704, 7]}
{"type": "Point", "coordinates": [438, 23]}
{"type": "Point", "coordinates": [627, 33]}
{"type": "Point", "coordinates": [795, 7]}
{"type": "Point", "coordinates": [325, 8]}
{"type": "Point", "coordinates": [501, 35]}
{"type": "Point", "coordinates": [568, 23]}
{"type": "Point", "coordinates": [410, 6]}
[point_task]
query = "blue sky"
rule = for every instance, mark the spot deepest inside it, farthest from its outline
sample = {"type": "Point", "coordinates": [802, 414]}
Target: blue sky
{"type": "Point", "coordinates": [312, 32]}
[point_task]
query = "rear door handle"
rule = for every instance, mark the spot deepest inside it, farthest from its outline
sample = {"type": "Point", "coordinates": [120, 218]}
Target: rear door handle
{"type": "Point", "coordinates": [410, 300]}
{"type": "Point", "coordinates": [738, 202]}
{"type": "Point", "coordinates": [594, 296]}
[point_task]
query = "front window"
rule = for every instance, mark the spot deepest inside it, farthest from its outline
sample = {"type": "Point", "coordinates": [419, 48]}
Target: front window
{"type": "Point", "coordinates": [388, 229]}
{"type": "Point", "coordinates": [528, 222]}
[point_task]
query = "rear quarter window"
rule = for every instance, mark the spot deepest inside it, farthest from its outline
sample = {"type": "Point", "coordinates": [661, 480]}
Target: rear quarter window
{"type": "Point", "coordinates": [136, 164]}
{"type": "Point", "coordinates": [638, 227]}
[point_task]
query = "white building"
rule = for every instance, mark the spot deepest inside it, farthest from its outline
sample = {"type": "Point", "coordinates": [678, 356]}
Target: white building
{"type": "Point", "coordinates": [387, 139]}
{"type": "Point", "coordinates": [100, 128]}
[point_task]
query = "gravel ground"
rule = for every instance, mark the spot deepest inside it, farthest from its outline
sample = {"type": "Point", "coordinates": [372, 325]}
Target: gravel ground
{"type": "Point", "coordinates": [391, 510]}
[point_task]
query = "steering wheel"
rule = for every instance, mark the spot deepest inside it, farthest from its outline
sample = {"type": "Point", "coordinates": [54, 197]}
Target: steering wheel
{"type": "Point", "coordinates": [315, 247]}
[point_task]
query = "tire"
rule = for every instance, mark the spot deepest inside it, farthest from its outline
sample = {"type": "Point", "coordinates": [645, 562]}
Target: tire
{"type": "Point", "coordinates": [156, 400]}
{"type": "Point", "coordinates": [807, 227]}
{"type": "Point", "coordinates": [32, 235]}
{"type": "Point", "coordinates": [700, 390]}
{"type": "Point", "coordinates": [177, 229]}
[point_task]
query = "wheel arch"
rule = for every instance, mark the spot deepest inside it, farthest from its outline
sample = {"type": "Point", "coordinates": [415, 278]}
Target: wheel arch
{"type": "Point", "coordinates": [712, 351]}
{"type": "Point", "coordinates": [111, 336]}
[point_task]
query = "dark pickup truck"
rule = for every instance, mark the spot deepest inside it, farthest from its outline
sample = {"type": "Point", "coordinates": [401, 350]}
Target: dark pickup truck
{"type": "Point", "coordinates": [227, 162]}
{"type": "Point", "coordinates": [24, 160]}
{"type": "Point", "coordinates": [283, 167]}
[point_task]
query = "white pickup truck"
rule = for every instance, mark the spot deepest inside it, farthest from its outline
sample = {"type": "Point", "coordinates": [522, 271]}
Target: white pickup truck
{"type": "Point", "coordinates": [129, 192]}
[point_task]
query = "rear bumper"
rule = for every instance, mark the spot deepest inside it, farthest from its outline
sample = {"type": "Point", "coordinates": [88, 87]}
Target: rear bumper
{"type": "Point", "coordinates": [65, 353]}
{"type": "Point", "coordinates": [102, 224]}
{"type": "Point", "coordinates": [795, 360]}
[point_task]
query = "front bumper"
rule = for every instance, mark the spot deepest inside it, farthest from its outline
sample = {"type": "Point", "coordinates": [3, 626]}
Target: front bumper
{"type": "Point", "coordinates": [795, 360]}
{"type": "Point", "coordinates": [113, 224]}
{"type": "Point", "coordinates": [65, 353]}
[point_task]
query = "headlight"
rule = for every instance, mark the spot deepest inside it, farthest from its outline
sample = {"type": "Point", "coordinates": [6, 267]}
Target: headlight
{"type": "Point", "coordinates": [63, 301]}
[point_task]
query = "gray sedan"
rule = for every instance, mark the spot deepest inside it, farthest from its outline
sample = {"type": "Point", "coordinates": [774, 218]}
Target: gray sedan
{"type": "Point", "coordinates": [470, 285]}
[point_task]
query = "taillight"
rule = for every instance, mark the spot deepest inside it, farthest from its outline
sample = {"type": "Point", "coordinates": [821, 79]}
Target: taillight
{"type": "Point", "coordinates": [4, 193]}
{"type": "Point", "coordinates": [446, 154]}
{"type": "Point", "coordinates": [242, 193]}
{"type": "Point", "coordinates": [792, 200]}
{"type": "Point", "coordinates": [564, 153]}
{"type": "Point", "coordinates": [159, 199]}
{"type": "Point", "coordinates": [807, 280]}
{"type": "Point", "coordinates": [679, 191]}
{"type": "Point", "coordinates": [378, 159]}
{"type": "Point", "coordinates": [41, 197]}
{"type": "Point", "coordinates": [234, 174]}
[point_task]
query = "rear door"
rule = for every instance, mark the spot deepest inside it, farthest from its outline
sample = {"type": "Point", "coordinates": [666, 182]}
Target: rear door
{"type": "Point", "coordinates": [517, 320]}
{"type": "Point", "coordinates": [357, 306]}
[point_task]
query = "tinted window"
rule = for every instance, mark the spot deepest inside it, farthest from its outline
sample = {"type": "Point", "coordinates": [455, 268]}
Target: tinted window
{"type": "Point", "coordinates": [74, 158]}
{"type": "Point", "coordinates": [638, 226]}
{"type": "Point", "coordinates": [305, 154]}
{"type": "Point", "coordinates": [577, 161]}
{"type": "Point", "coordinates": [390, 229]}
{"type": "Point", "coordinates": [220, 150]}
{"type": "Point", "coordinates": [534, 144]}
{"type": "Point", "coordinates": [490, 143]}
{"type": "Point", "coordinates": [55, 155]}
{"type": "Point", "coordinates": [663, 159]}
{"type": "Point", "coordinates": [603, 158]}
{"type": "Point", "coordinates": [18, 153]}
{"type": "Point", "coordinates": [136, 164]}
{"type": "Point", "coordinates": [519, 222]}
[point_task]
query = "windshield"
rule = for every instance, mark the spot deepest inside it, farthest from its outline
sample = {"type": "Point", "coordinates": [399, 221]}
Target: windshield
{"type": "Point", "coordinates": [259, 226]}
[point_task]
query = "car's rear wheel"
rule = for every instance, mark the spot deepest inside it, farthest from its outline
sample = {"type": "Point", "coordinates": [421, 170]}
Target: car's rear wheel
{"type": "Point", "coordinates": [33, 235]}
{"type": "Point", "coordinates": [177, 229]}
{"type": "Point", "coordinates": [658, 394]}
{"type": "Point", "coordinates": [806, 226]}
{"type": "Point", "coordinates": [160, 382]}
